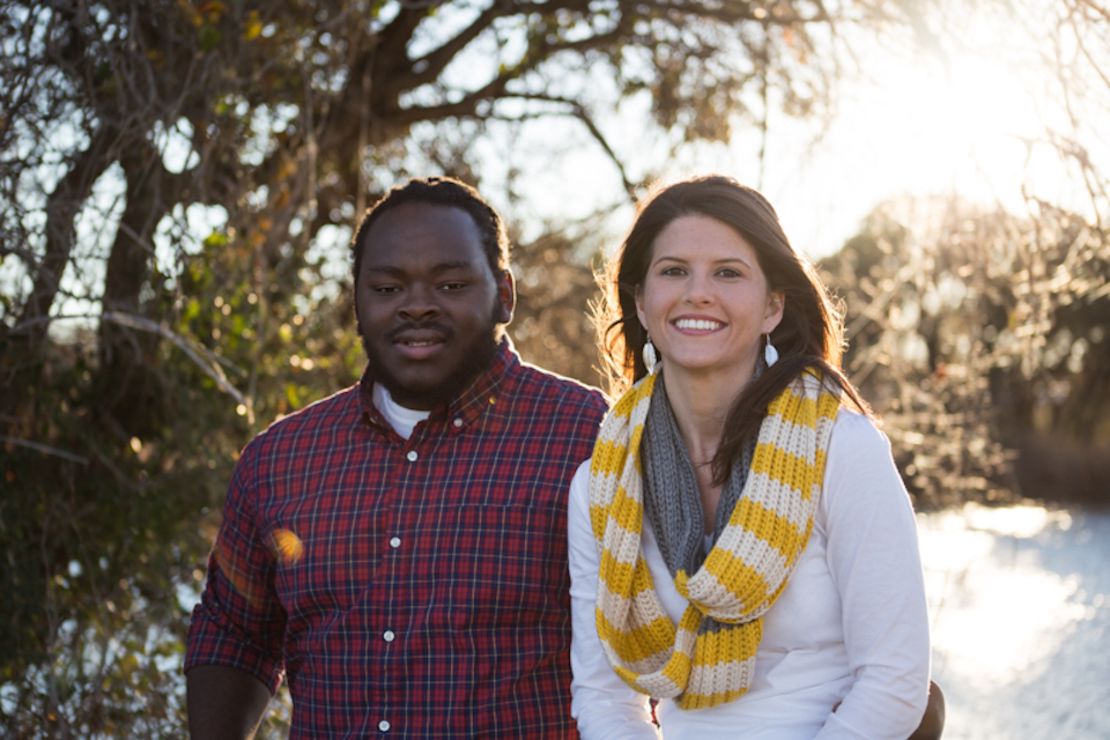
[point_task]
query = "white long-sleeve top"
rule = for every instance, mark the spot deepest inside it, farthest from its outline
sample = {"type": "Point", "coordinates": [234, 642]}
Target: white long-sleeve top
{"type": "Point", "coordinates": [850, 628]}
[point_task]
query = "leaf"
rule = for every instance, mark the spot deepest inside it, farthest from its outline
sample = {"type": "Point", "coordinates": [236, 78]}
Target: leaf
{"type": "Point", "coordinates": [210, 37]}
{"type": "Point", "coordinates": [253, 27]}
{"type": "Point", "coordinates": [216, 239]}
{"type": "Point", "coordinates": [192, 310]}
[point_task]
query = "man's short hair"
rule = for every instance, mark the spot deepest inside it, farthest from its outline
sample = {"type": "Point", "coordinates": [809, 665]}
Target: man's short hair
{"type": "Point", "coordinates": [440, 191]}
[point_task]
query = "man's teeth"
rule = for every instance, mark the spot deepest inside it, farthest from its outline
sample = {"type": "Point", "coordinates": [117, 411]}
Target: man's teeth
{"type": "Point", "coordinates": [697, 324]}
{"type": "Point", "coordinates": [418, 342]}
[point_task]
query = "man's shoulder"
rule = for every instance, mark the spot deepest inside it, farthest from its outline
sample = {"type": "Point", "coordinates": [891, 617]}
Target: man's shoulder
{"type": "Point", "coordinates": [574, 396]}
{"type": "Point", "coordinates": [336, 411]}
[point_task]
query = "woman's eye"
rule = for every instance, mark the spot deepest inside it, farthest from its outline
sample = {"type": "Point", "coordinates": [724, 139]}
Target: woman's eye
{"type": "Point", "coordinates": [728, 272]}
{"type": "Point", "coordinates": [672, 271]}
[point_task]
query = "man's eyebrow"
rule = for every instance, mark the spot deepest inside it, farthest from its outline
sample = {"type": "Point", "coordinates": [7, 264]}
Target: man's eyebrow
{"type": "Point", "coordinates": [452, 265]}
{"type": "Point", "coordinates": [438, 267]}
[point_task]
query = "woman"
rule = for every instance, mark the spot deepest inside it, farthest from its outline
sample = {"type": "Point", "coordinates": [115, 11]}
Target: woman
{"type": "Point", "coordinates": [742, 548]}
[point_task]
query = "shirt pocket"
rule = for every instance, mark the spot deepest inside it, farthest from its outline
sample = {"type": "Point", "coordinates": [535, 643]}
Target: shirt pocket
{"type": "Point", "coordinates": [499, 564]}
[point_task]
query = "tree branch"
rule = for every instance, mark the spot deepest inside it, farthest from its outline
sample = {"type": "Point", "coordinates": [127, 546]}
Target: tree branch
{"type": "Point", "coordinates": [45, 449]}
{"type": "Point", "coordinates": [201, 356]}
{"type": "Point", "coordinates": [579, 111]}
{"type": "Point", "coordinates": [532, 58]}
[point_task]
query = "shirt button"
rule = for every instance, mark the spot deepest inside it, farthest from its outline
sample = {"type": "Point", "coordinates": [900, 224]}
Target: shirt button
{"type": "Point", "coordinates": [394, 542]}
{"type": "Point", "coordinates": [458, 422]}
{"type": "Point", "coordinates": [384, 726]}
{"type": "Point", "coordinates": [388, 636]}
{"type": "Point", "coordinates": [412, 456]}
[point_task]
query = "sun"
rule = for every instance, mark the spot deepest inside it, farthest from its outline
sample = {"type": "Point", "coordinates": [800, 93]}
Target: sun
{"type": "Point", "coordinates": [973, 120]}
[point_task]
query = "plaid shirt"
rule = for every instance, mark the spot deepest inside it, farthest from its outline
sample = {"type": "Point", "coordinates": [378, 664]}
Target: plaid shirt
{"type": "Point", "coordinates": [412, 586]}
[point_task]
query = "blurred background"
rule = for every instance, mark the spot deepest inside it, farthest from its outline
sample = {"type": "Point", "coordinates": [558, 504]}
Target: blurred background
{"type": "Point", "coordinates": [179, 180]}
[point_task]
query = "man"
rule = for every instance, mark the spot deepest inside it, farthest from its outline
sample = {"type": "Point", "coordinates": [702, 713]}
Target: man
{"type": "Point", "coordinates": [398, 549]}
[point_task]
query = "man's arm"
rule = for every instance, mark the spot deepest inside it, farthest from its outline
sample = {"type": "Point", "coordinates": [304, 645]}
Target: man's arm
{"type": "Point", "coordinates": [224, 702]}
{"type": "Point", "coordinates": [932, 724]}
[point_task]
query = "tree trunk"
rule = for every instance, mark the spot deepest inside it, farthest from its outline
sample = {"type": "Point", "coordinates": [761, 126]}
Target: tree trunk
{"type": "Point", "coordinates": [129, 395]}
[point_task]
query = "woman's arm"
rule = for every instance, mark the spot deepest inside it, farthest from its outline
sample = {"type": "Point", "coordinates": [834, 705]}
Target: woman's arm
{"type": "Point", "coordinates": [873, 557]}
{"type": "Point", "coordinates": [604, 706]}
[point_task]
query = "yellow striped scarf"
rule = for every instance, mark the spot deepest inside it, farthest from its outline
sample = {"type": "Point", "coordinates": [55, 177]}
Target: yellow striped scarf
{"type": "Point", "coordinates": [748, 567]}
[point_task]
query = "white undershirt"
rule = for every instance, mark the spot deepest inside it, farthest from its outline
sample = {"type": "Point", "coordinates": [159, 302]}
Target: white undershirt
{"type": "Point", "coordinates": [850, 627]}
{"type": "Point", "coordinates": [401, 418]}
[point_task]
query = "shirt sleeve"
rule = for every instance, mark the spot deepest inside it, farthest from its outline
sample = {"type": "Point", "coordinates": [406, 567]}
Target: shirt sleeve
{"type": "Point", "coordinates": [603, 705]}
{"type": "Point", "coordinates": [875, 563]}
{"type": "Point", "coordinates": [239, 622]}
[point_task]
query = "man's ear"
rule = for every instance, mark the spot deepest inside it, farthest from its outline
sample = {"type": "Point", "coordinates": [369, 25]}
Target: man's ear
{"type": "Point", "coordinates": [506, 297]}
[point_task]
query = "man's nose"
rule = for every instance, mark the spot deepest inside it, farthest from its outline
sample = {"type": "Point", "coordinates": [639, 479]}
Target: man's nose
{"type": "Point", "coordinates": [419, 304]}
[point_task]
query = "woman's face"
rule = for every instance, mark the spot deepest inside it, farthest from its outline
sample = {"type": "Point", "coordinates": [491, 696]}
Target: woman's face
{"type": "Point", "coordinates": [705, 300]}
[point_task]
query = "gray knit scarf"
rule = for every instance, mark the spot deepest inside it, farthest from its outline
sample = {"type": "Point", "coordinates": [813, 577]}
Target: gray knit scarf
{"type": "Point", "coordinates": [671, 498]}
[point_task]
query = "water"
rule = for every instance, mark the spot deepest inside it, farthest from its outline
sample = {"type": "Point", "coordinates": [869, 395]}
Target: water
{"type": "Point", "coordinates": [1019, 599]}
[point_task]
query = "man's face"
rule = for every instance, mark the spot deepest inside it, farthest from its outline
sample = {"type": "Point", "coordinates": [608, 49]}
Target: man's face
{"type": "Point", "coordinates": [428, 303]}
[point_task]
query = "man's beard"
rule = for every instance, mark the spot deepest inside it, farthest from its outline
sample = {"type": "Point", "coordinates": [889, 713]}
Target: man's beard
{"type": "Point", "coordinates": [477, 360]}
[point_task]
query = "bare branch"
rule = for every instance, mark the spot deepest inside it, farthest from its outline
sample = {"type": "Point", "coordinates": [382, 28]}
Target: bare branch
{"type": "Point", "coordinates": [496, 87]}
{"type": "Point", "coordinates": [575, 109]}
{"type": "Point", "coordinates": [45, 449]}
{"type": "Point", "coordinates": [201, 357]}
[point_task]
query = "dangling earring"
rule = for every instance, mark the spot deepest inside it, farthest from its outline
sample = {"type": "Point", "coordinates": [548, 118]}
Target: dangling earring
{"type": "Point", "coordinates": [770, 354]}
{"type": "Point", "coordinates": [651, 359]}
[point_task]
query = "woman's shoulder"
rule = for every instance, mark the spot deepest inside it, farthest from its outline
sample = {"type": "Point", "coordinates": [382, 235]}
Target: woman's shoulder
{"type": "Point", "coordinates": [855, 432]}
{"type": "Point", "coordinates": [860, 469]}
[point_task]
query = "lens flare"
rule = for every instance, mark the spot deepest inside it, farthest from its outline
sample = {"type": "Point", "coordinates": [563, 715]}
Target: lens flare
{"type": "Point", "coordinates": [288, 547]}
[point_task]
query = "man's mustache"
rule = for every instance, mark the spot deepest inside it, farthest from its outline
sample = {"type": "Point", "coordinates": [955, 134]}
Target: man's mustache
{"type": "Point", "coordinates": [434, 326]}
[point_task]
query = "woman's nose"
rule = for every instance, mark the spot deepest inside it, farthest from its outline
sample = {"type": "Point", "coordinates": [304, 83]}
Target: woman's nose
{"type": "Point", "coordinates": [698, 290]}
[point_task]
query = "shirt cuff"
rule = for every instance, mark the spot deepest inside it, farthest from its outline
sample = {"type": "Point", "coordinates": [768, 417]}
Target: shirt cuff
{"type": "Point", "coordinates": [215, 641]}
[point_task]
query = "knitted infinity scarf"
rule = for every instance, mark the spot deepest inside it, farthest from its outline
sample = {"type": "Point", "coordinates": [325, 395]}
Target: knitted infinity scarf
{"type": "Point", "coordinates": [707, 658]}
{"type": "Point", "coordinates": [672, 503]}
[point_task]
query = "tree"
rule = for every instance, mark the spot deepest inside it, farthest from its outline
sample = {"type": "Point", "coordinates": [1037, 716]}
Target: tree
{"type": "Point", "coordinates": [979, 333]}
{"type": "Point", "coordinates": [168, 169]}
{"type": "Point", "coordinates": [978, 336]}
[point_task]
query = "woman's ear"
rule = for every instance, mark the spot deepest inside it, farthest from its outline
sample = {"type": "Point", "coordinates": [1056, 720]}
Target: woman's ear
{"type": "Point", "coordinates": [776, 305]}
{"type": "Point", "coordinates": [638, 293]}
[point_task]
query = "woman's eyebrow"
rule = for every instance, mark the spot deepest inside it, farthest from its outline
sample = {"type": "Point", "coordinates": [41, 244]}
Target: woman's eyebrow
{"type": "Point", "coordinates": [722, 261]}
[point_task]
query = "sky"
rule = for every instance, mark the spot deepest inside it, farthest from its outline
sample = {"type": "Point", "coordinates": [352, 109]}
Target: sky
{"type": "Point", "coordinates": [969, 119]}
{"type": "Point", "coordinates": [966, 117]}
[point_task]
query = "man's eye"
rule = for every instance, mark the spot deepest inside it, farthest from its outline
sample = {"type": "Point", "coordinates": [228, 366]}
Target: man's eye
{"type": "Point", "coordinates": [385, 289]}
{"type": "Point", "coordinates": [449, 287]}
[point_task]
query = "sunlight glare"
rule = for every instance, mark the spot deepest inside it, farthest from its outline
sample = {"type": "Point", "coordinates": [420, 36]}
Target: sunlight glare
{"type": "Point", "coordinates": [997, 612]}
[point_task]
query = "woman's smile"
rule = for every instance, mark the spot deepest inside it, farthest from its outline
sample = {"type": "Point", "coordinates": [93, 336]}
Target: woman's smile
{"type": "Point", "coordinates": [697, 325]}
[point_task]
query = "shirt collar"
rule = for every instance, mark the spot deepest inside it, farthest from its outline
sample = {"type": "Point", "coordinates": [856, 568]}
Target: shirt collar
{"type": "Point", "coordinates": [461, 411]}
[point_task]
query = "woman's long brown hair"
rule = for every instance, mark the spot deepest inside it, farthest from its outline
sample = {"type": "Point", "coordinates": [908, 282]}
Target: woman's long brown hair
{"type": "Point", "coordinates": [809, 335]}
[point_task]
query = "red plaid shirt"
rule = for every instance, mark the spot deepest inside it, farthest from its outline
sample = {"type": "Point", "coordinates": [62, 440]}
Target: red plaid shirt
{"type": "Point", "coordinates": [408, 586]}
